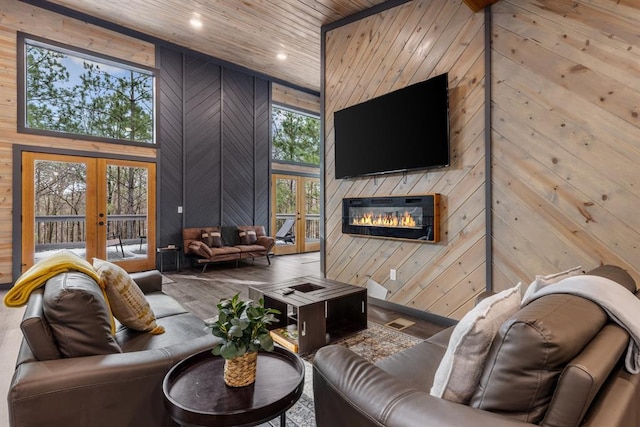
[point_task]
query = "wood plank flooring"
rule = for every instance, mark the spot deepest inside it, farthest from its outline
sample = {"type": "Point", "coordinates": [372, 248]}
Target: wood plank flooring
{"type": "Point", "coordinates": [225, 280]}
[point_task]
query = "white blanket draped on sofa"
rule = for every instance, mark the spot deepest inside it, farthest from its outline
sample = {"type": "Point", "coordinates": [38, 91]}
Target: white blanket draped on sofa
{"type": "Point", "coordinates": [621, 305]}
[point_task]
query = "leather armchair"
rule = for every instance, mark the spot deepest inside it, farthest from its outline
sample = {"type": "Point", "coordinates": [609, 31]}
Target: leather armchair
{"type": "Point", "coordinates": [592, 389]}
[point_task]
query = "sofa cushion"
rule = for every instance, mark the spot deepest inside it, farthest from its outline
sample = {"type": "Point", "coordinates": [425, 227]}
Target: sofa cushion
{"type": "Point", "coordinates": [78, 315]}
{"type": "Point", "coordinates": [531, 350]}
{"type": "Point", "coordinates": [459, 371]}
{"type": "Point", "coordinates": [583, 377]}
{"type": "Point", "coordinates": [542, 281]}
{"type": "Point", "coordinates": [127, 301]}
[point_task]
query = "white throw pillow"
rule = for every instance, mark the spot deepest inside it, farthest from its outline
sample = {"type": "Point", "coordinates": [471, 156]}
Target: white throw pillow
{"type": "Point", "coordinates": [458, 374]}
{"type": "Point", "coordinates": [542, 281]}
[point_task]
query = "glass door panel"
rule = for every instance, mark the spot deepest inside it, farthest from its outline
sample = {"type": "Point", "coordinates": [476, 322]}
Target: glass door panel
{"type": "Point", "coordinates": [59, 208]}
{"type": "Point", "coordinates": [126, 210]}
{"type": "Point", "coordinates": [285, 220]}
{"type": "Point", "coordinates": [311, 214]}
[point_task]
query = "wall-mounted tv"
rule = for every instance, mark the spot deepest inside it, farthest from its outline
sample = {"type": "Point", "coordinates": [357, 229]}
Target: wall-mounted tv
{"type": "Point", "coordinates": [404, 130]}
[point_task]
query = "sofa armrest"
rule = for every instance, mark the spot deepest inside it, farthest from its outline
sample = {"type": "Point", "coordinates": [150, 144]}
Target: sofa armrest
{"type": "Point", "coordinates": [266, 241]}
{"type": "Point", "coordinates": [349, 390]}
{"type": "Point", "coordinates": [148, 281]}
{"type": "Point", "coordinates": [103, 390]}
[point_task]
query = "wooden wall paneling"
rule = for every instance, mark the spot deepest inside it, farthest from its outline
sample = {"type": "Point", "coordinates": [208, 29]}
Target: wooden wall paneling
{"type": "Point", "coordinates": [238, 149]}
{"type": "Point", "coordinates": [202, 169]}
{"type": "Point", "coordinates": [170, 174]}
{"type": "Point", "coordinates": [262, 132]}
{"type": "Point", "coordinates": [241, 164]}
{"type": "Point", "coordinates": [565, 89]}
{"type": "Point", "coordinates": [376, 55]}
{"type": "Point", "coordinates": [283, 95]}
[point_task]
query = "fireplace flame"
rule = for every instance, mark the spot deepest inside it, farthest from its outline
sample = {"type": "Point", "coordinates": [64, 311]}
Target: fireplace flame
{"type": "Point", "coordinates": [384, 220]}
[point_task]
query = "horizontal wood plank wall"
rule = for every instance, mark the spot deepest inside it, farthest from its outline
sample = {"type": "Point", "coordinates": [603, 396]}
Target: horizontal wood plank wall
{"type": "Point", "coordinates": [566, 136]}
{"type": "Point", "coordinates": [379, 54]}
{"type": "Point", "coordinates": [17, 16]}
{"type": "Point", "coordinates": [283, 95]}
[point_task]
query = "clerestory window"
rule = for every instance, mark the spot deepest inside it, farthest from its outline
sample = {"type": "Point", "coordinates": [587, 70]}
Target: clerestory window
{"type": "Point", "coordinates": [68, 92]}
{"type": "Point", "coordinates": [296, 136]}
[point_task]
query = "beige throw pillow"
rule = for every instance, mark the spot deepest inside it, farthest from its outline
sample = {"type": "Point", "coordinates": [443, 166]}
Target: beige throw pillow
{"type": "Point", "coordinates": [458, 374]}
{"type": "Point", "coordinates": [542, 281]}
{"type": "Point", "coordinates": [128, 303]}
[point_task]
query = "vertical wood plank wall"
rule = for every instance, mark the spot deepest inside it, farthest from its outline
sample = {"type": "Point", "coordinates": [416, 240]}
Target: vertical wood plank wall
{"type": "Point", "coordinates": [214, 152]}
{"type": "Point", "coordinates": [17, 16]}
{"type": "Point", "coordinates": [376, 55]}
{"type": "Point", "coordinates": [566, 136]}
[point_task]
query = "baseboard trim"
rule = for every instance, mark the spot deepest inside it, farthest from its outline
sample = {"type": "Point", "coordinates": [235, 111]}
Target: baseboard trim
{"type": "Point", "coordinates": [419, 314]}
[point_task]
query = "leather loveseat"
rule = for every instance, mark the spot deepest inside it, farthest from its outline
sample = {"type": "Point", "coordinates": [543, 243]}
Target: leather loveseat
{"type": "Point", "coordinates": [557, 362]}
{"type": "Point", "coordinates": [115, 380]}
{"type": "Point", "coordinates": [207, 245]}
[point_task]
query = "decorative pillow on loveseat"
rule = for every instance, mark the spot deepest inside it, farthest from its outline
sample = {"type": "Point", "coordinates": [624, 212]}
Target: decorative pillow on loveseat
{"type": "Point", "coordinates": [458, 374]}
{"type": "Point", "coordinates": [213, 239]}
{"type": "Point", "coordinates": [247, 237]}
{"type": "Point", "coordinates": [78, 315]}
{"type": "Point", "coordinates": [127, 301]}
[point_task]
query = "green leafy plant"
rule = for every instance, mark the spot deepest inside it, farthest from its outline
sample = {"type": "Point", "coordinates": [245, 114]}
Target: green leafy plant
{"type": "Point", "coordinates": [242, 327]}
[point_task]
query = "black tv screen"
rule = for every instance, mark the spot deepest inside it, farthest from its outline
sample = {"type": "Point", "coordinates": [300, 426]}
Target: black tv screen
{"type": "Point", "coordinates": [404, 130]}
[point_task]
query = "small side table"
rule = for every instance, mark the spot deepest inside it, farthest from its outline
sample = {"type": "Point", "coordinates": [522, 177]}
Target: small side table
{"type": "Point", "coordinates": [195, 393]}
{"type": "Point", "coordinates": [169, 249]}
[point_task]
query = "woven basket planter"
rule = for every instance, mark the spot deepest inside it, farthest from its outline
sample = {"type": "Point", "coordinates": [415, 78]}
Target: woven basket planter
{"type": "Point", "coordinates": [240, 371]}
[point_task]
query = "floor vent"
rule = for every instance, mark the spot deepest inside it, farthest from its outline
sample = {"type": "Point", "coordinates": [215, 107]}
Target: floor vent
{"type": "Point", "coordinates": [400, 324]}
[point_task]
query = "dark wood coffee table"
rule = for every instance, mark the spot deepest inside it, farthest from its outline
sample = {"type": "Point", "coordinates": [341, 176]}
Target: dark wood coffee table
{"type": "Point", "coordinates": [195, 393]}
{"type": "Point", "coordinates": [321, 309]}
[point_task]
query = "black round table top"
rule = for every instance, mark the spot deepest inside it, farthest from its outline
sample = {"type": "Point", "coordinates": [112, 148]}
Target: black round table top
{"type": "Point", "coordinates": [195, 393]}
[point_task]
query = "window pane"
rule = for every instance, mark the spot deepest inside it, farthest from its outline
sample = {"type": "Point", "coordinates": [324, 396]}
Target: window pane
{"type": "Point", "coordinates": [59, 207]}
{"type": "Point", "coordinates": [80, 94]}
{"type": "Point", "coordinates": [296, 136]}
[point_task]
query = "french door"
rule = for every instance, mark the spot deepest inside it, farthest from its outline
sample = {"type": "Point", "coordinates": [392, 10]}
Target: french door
{"type": "Point", "coordinates": [295, 216]}
{"type": "Point", "coordinates": [95, 207]}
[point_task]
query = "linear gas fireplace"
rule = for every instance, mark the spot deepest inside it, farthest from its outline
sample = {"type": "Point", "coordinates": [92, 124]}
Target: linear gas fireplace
{"type": "Point", "coordinates": [396, 217]}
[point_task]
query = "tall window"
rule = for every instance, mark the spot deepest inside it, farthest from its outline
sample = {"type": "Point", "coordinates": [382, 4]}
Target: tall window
{"type": "Point", "coordinates": [71, 92]}
{"type": "Point", "coordinates": [296, 136]}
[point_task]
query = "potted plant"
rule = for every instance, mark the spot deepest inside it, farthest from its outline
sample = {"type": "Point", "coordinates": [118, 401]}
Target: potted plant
{"type": "Point", "coordinates": [242, 326]}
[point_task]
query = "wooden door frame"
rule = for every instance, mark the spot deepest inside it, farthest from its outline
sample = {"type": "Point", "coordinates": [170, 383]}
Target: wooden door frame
{"type": "Point", "coordinates": [300, 245]}
{"type": "Point", "coordinates": [17, 199]}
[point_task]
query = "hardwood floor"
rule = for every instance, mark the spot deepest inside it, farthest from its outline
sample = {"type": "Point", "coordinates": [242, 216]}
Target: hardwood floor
{"type": "Point", "coordinates": [225, 280]}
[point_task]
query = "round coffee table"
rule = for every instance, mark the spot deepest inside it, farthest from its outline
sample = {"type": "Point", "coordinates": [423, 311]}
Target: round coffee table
{"type": "Point", "coordinates": [195, 393]}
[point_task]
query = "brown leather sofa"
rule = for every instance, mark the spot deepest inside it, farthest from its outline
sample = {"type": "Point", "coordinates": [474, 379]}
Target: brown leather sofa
{"type": "Point", "coordinates": [231, 243]}
{"type": "Point", "coordinates": [117, 382]}
{"type": "Point", "coordinates": [557, 362]}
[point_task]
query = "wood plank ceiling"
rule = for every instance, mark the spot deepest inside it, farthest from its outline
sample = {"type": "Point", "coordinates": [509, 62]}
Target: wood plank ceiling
{"type": "Point", "coordinates": [252, 34]}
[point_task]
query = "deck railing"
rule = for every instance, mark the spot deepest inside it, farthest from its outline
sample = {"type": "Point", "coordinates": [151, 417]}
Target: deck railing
{"type": "Point", "coordinates": [69, 231]}
{"type": "Point", "coordinates": [312, 223]}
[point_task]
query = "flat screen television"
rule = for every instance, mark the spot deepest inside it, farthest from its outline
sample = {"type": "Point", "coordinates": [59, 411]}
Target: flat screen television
{"type": "Point", "coordinates": [404, 130]}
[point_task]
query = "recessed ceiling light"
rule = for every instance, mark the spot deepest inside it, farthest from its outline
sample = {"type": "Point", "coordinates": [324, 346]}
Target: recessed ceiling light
{"type": "Point", "coordinates": [281, 56]}
{"type": "Point", "coordinates": [196, 21]}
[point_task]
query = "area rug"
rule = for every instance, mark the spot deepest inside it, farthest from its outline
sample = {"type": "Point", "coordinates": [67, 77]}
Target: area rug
{"type": "Point", "coordinates": [374, 343]}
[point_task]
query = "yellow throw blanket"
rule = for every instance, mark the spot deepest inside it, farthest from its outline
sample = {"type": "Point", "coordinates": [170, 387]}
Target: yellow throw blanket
{"type": "Point", "coordinates": [42, 271]}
